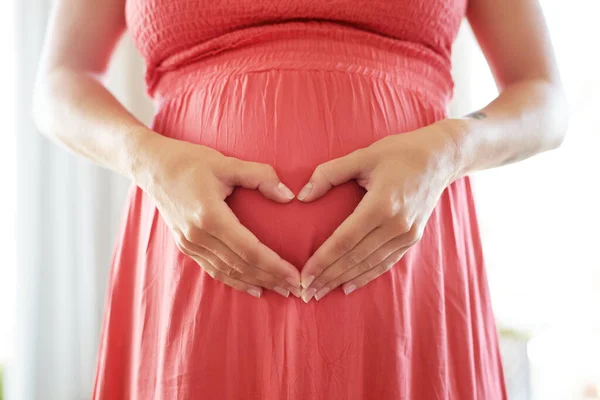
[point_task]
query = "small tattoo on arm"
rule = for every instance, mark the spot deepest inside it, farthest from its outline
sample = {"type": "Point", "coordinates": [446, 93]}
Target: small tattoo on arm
{"type": "Point", "coordinates": [476, 115]}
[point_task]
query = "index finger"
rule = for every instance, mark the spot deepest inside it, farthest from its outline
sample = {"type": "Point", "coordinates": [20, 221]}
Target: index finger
{"type": "Point", "coordinates": [363, 220]}
{"type": "Point", "coordinates": [246, 245]}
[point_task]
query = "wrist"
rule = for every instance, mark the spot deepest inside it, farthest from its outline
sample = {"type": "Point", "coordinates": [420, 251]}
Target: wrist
{"type": "Point", "coordinates": [144, 150]}
{"type": "Point", "coordinates": [456, 132]}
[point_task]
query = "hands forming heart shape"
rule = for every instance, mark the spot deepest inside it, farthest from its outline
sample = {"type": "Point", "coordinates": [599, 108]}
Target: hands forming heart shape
{"type": "Point", "coordinates": [404, 175]}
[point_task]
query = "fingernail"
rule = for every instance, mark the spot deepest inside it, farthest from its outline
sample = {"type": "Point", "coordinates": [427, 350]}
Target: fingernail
{"type": "Point", "coordinates": [305, 191]}
{"type": "Point", "coordinates": [308, 281]}
{"type": "Point", "coordinates": [254, 292]}
{"type": "Point", "coordinates": [296, 291]}
{"type": "Point", "coordinates": [308, 294]}
{"type": "Point", "coordinates": [349, 289]}
{"type": "Point", "coordinates": [293, 281]}
{"type": "Point", "coordinates": [285, 191]}
{"type": "Point", "coordinates": [322, 292]}
{"type": "Point", "coordinates": [281, 291]}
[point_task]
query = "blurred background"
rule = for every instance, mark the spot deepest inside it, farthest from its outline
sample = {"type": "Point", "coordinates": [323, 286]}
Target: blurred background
{"type": "Point", "coordinates": [539, 221]}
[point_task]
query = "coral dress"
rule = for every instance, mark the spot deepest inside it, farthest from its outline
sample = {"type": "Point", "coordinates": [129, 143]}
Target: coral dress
{"type": "Point", "coordinates": [294, 83]}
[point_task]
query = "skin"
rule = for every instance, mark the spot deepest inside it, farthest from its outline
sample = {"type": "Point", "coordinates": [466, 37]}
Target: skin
{"type": "Point", "coordinates": [405, 174]}
{"type": "Point", "coordinates": [72, 107]}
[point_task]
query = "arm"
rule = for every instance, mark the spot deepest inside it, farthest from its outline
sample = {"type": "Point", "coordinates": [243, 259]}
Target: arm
{"type": "Point", "coordinates": [71, 105]}
{"type": "Point", "coordinates": [406, 174]}
{"type": "Point", "coordinates": [530, 114]}
{"type": "Point", "coordinates": [188, 182]}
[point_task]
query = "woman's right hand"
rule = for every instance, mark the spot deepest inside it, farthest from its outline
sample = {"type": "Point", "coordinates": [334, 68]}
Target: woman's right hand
{"type": "Point", "coordinates": [189, 184]}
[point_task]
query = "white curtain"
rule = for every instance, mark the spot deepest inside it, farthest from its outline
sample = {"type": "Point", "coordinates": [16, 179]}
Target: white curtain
{"type": "Point", "coordinates": [68, 213]}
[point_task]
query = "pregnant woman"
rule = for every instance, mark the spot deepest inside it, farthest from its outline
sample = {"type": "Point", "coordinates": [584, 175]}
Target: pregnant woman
{"type": "Point", "coordinates": [301, 223]}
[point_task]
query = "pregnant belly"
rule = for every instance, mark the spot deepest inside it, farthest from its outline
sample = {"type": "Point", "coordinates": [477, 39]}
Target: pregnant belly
{"type": "Point", "coordinates": [293, 120]}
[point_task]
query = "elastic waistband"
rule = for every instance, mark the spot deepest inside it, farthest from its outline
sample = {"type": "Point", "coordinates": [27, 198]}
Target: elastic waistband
{"type": "Point", "coordinates": [310, 45]}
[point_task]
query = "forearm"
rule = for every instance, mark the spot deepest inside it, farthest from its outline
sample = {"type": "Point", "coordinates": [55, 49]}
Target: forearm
{"type": "Point", "coordinates": [74, 108]}
{"type": "Point", "coordinates": [525, 119]}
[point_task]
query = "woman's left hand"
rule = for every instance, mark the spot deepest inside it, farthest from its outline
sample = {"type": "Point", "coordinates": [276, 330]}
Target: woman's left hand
{"type": "Point", "coordinates": [404, 175]}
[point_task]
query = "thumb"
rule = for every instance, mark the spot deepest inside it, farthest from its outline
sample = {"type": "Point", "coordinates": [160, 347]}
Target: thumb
{"type": "Point", "coordinates": [258, 176]}
{"type": "Point", "coordinates": [332, 173]}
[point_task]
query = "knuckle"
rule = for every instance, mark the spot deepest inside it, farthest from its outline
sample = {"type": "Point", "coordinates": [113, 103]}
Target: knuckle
{"type": "Point", "coordinates": [364, 266]}
{"type": "Point", "coordinates": [249, 256]}
{"type": "Point", "coordinates": [203, 221]}
{"type": "Point", "coordinates": [239, 267]}
{"type": "Point", "coordinates": [192, 233]}
{"type": "Point", "coordinates": [233, 273]}
{"type": "Point", "coordinates": [354, 258]}
{"type": "Point", "coordinates": [388, 207]}
{"type": "Point", "coordinates": [268, 171]}
{"type": "Point", "coordinates": [265, 280]}
{"type": "Point", "coordinates": [181, 242]}
{"type": "Point", "coordinates": [211, 273]}
{"type": "Point", "coordinates": [414, 235]}
{"type": "Point", "coordinates": [198, 218]}
{"type": "Point", "coordinates": [384, 207]}
{"type": "Point", "coordinates": [233, 163]}
{"type": "Point", "coordinates": [385, 267]}
{"type": "Point", "coordinates": [403, 225]}
{"type": "Point", "coordinates": [357, 154]}
{"type": "Point", "coordinates": [320, 281]}
{"type": "Point", "coordinates": [218, 276]}
{"type": "Point", "coordinates": [321, 171]}
{"type": "Point", "coordinates": [202, 263]}
{"type": "Point", "coordinates": [319, 272]}
{"type": "Point", "coordinates": [342, 245]}
{"type": "Point", "coordinates": [219, 266]}
{"type": "Point", "coordinates": [205, 266]}
{"type": "Point", "coordinates": [220, 255]}
{"type": "Point", "coordinates": [371, 263]}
